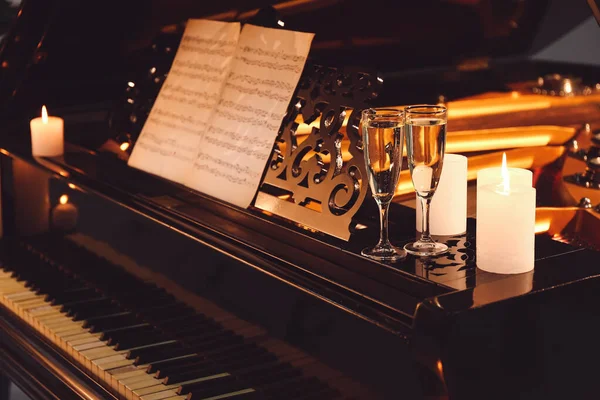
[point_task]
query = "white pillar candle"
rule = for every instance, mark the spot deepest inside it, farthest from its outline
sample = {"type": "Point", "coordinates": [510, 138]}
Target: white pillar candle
{"type": "Point", "coordinates": [448, 210]}
{"type": "Point", "coordinates": [505, 227]}
{"type": "Point", "coordinates": [47, 135]}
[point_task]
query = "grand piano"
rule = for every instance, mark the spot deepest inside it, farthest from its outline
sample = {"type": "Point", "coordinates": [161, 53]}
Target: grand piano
{"type": "Point", "coordinates": [118, 284]}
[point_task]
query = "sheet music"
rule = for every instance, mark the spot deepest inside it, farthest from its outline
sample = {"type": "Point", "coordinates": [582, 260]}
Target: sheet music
{"type": "Point", "coordinates": [169, 141]}
{"type": "Point", "coordinates": [239, 137]}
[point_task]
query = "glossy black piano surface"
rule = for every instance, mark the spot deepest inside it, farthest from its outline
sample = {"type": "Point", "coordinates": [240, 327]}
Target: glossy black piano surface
{"type": "Point", "coordinates": [266, 308]}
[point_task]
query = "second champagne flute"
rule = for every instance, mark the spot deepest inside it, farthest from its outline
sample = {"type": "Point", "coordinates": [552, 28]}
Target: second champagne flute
{"type": "Point", "coordinates": [425, 129]}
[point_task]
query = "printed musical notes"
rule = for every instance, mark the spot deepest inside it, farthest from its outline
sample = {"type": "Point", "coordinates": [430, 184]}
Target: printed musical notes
{"type": "Point", "coordinates": [213, 125]}
{"type": "Point", "coordinates": [170, 138]}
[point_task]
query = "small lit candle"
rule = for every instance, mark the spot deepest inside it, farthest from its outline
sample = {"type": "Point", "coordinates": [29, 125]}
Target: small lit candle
{"type": "Point", "coordinates": [47, 135]}
{"type": "Point", "coordinates": [448, 210]}
{"type": "Point", "coordinates": [505, 226]}
{"type": "Point", "coordinates": [64, 214]}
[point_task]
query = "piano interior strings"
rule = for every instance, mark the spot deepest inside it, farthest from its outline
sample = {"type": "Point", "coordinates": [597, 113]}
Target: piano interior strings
{"type": "Point", "coordinates": [119, 284]}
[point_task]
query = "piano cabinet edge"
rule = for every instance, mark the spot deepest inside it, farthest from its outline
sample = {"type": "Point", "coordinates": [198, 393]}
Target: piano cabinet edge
{"type": "Point", "coordinates": [537, 345]}
{"type": "Point", "coordinates": [38, 368]}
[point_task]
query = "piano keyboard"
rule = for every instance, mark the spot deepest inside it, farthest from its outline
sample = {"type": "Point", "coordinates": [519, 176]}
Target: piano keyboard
{"type": "Point", "coordinates": [138, 339]}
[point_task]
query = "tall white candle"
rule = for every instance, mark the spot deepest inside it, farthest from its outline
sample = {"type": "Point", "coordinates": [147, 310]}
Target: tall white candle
{"type": "Point", "coordinates": [448, 210]}
{"type": "Point", "coordinates": [47, 135]}
{"type": "Point", "coordinates": [505, 227]}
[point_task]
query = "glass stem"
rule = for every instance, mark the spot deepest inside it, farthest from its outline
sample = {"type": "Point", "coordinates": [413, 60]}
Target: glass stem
{"type": "Point", "coordinates": [383, 223]}
{"type": "Point", "coordinates": [425, 235]}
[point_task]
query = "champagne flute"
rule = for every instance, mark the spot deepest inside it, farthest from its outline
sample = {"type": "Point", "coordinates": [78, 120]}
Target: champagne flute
{"type": "Point", "coordinates": [382, 132]}
{"type": "Point", "coordinates": [425, 144]}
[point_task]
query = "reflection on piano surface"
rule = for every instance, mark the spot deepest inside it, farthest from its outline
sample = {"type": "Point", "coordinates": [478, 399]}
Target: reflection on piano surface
{"type": "Point", "coordinates": [118, 284]}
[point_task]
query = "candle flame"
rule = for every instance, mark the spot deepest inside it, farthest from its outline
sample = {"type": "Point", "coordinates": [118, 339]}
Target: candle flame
{"type": "Point", "coordinates": [63, 199]}
{"type": "Point", "coordinates": [124, 146]}
{"type": "Point", "coordinates": [505, 174]}
{"type": "Point", "coordinates": [44, 115]}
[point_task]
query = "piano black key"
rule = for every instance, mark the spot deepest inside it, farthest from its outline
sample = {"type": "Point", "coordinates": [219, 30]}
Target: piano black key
{"type": "Point", "coordinates": [193, 372]}
{"type": "Point", "coordinates": [211, 342]}
{"type": "Point", "coordinates": [155, 353]}
{"type": "Point", "coordinates": [117, 333]}
{"type": "Point", "coordinates": [93, 301]}
{"type": "Point", "coordinates": [98, 311]}
{"type": "Point", "coordinates": [261, 365]}
{"type": "Point", "coordinates": [218, 354]}
{"type": "Point", "coordinates": [174, 360]}
{"type": "Point", "coordinates": [220, 384]}
{"type": "Point", "coordinates": [195, 329]}
{"type": "Point", "coordinates": [188, 317]}
{"type": "Point", "coordinates": [68, 296]}
{"type": "Point", "coordinates": [131, 342]}
{"type": "Point", "coordinates": [162, 312]}
{"type": "Point", "coordinates": [111, 321]}
{"type": "Point", "coordinates": [165, 369]}
{"type": "Point", "coordinates": [203, 334]}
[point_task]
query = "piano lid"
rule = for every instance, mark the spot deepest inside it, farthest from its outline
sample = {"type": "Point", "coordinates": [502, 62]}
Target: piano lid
{"type": "Point", "coordinates": [72, 53]}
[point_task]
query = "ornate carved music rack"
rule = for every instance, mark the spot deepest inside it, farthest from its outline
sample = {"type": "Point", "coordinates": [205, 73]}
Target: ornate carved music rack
{"type": "Point", "coordinates": [307, 179]}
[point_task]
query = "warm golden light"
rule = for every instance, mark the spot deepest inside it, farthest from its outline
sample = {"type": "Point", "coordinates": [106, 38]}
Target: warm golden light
{"type": "Point", "coordinates": [542, 226]}
{"type": "Point", "coordinates": [505, 175]}
{"type": "Point", "coordinates": [64, 199]}
{"type": "Point", "coordinates": [568, 87]}
{"type": "Point", "coordinates": [440, 367]}
{"type": "Point", "coordinates": [124, 146]}
{"type": "Point", "coordinates": [44, 115]}
{"type": "Point", "coordinates": [72, 186]}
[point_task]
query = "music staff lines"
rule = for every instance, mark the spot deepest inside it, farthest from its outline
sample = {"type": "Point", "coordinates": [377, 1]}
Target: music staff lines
{"type": "Point", "coordinates": [209, 42]}
{"type": "Point", "coordinates": [257, 92]}
{"type": "Point", "coordinates": [250, 152]}
{"type": "Point", "coordinates": [253, 80]}
{"type": "Point", "coordinates": [198, 66]}
{"type": "Point", "coordinates": [190, 92]}
{"type": "Point", "coordinates": [239, 169]}
{"type": "Point", "coordinates": [172, 142]}
{"type": "Point", "coordinates": [264, 143]}
{"type": "Point", "coordinates": [164, 152]}
{"type": "Point", "coordinates": [277, 55]}
{"type": "Point", "coordinates": [192, 75]}
{"type": "Point", "coordinates": [196, 129]}
{"type": "Point", "coordinates": [275, 66]}
{"type": "Point", "coordinates": [204, 50]}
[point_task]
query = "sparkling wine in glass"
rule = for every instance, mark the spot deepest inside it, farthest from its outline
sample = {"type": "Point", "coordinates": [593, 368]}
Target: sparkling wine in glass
{"type": "Point", "coordinates": [383, 131]}
{"type": "Point", "coordinates": [425, 144]}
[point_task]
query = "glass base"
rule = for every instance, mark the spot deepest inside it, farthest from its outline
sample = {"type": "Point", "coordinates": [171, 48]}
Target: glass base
{"type": "Point", "coordinates": [425, 249]}
{"type": "Point", "coordinates": [384, 253]}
